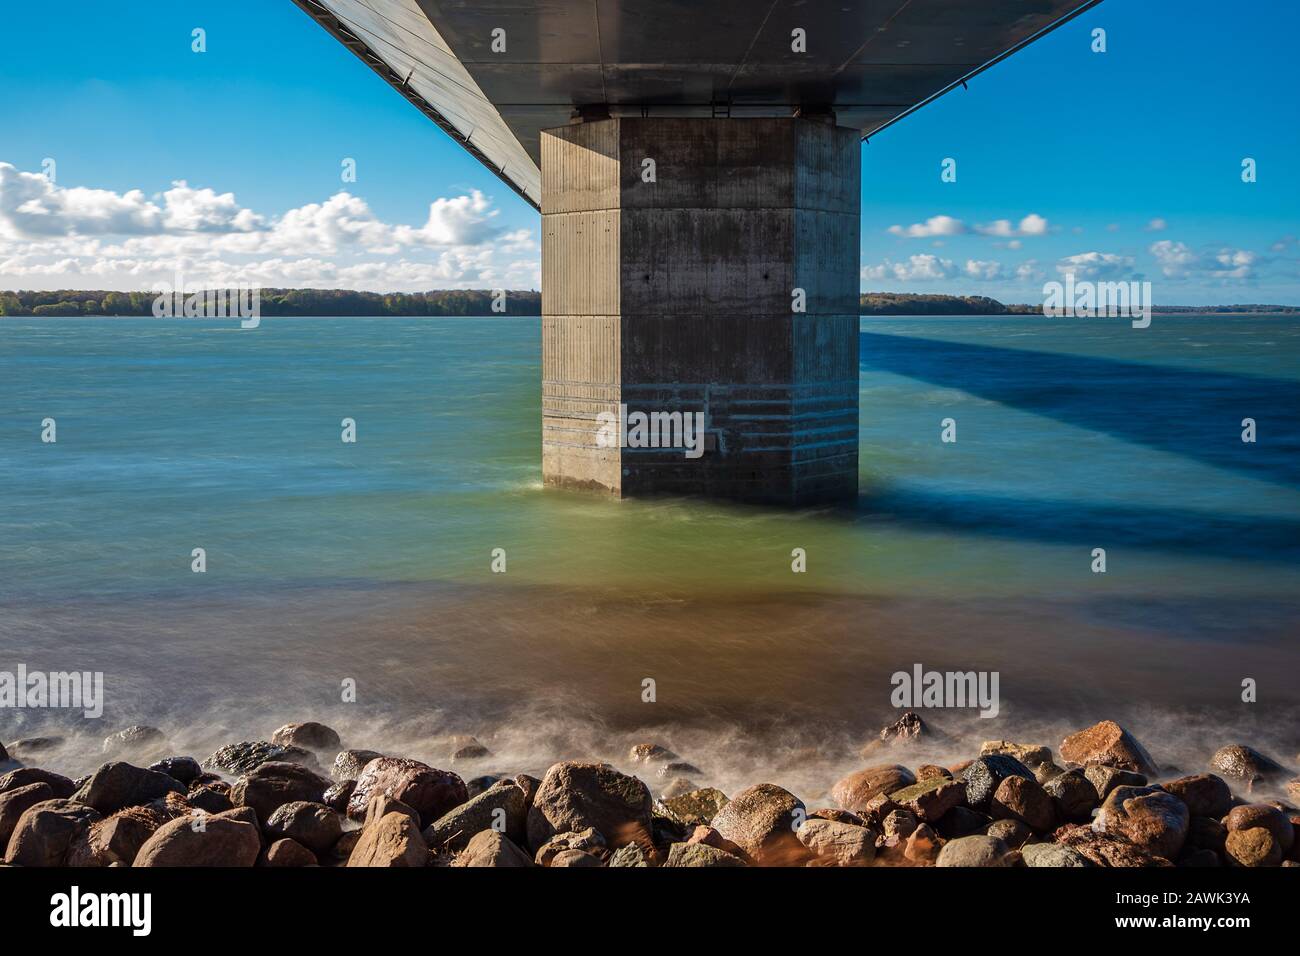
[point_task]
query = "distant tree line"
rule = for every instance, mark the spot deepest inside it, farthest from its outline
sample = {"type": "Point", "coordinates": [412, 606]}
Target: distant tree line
{"type": "Point", "coordinates": [913, 303]}
{"type": "Point", "coordinates": [452, 302]}
{"type": "Point", "coordinates": [69, 302]}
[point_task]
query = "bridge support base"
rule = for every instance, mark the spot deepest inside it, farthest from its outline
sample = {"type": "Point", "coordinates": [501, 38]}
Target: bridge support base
{"type": "Point", "coordinates": [702, 266]}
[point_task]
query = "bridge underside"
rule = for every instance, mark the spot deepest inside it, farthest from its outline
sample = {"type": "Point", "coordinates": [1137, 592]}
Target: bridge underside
{"type": "Point", "coordinates": [727, 284]}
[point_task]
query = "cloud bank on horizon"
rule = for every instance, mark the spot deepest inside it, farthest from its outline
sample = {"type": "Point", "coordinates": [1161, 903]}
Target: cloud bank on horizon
{"type": "Point", "coordinates": [54, 236]}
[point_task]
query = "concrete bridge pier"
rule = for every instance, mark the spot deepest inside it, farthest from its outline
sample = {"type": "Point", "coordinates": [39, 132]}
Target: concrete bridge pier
{"type": "Point", "coordinates": [710, 266]}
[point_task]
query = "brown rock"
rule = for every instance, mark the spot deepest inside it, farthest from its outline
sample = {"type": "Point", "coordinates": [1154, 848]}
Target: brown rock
{"type": "Point", "coordinates": [1014, 833]}
{"type": "Point", "coordinates": [930, 799]}
{"type": "Point", "coordinates": [272, 784]}
{"type": "Point", "coordinates": [575, 858]}
{"type": "Point", "coordinates": [1253, 847]}
{"type": "Point", "coordinates": [337, 796]}
{"type": "Point", "coordinates": [761, 821]}
{"type": "Point", "coordinates": [313, 825]}
{"type": "Point", "coordinates": [288, 852]}
{"type": "Point", "coordinates": [1104, 850]}
{"type": "Point", "coordinates": [309, 735]}
{"type": "Point", "coordinates": [928, 771]}
{"type": "Point", "coordinates": [899, 824]}
{"type": "Point", "coordinates": [218, 839]}
{"type": "Point", "coordinates": [840, 844]}
{"type": "Point", "coordinates": [1250, 815]}
{"type": "Point", "coordinates": [1073, 795]}
{"type": "Point", "coordinates": [923, 846]}
{"type": "Point", "coordinates": [120, 837]}
{"type": "Point", "coordinates": [490, 848]}
{"type": "Point", "coordinates": [14, 803]}
{"type": "Point", "coordinates": [711, 837]}
{"type": "Point", "coordinates": [650, 753]}
{"type": "Point", "coordinates": [430, 792]}
{"type": "Point", "coordinates": [1025, 800]}
{"type": "Point", "coordinates": [47, 831]}
{"type": "Point", "coordinates": [390, 839]}
{"type": "Point", "coordinates": [856, 790]}
{"type": "Point", "coordinates": [1147, 817]}
{"type": "Point", "coordinates": [1109, 744]}
{"type": "Point", "coordinates": [59, 785]}
{"type": "Point", "coordinates": [700, 855]}
{"type": "Point", "coordinates": [836, 815]}
{"type": "Point", "coordinates": [116, 785]}
{"type": "Point", "coordinates": [1205, 794]}
{"type": "Point", "coordinates": [1246, 764]}
{"type": "Point", "coordinates": [1106, 779]}
{"type": "Point", "coordinates": [977, 851]}
{"type": "Point", "coordinates": [588, 840]}
{"type": "Point", "coordinates": [574, 796]}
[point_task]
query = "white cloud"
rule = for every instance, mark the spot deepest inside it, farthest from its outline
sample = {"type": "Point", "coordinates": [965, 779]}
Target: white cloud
{"type": "Point", "coordinates": [1032, 225]}
{"type": "Point", "coordinates": [1157, 225]}
{"type": "Point", "coordinates": [1177, 260]}
{"type": "Point", "coordinates": [934, 226]}
{"type": "Point", "coordinates": [1096, 265]}
{"type": "Point", "coordinates": [922, 267]}
{"type": "Point", "coordinates": [53, 236]}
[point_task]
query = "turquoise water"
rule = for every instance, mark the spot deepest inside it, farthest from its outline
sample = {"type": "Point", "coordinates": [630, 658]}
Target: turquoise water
{"type": "Point", "coordinates": [326, 558]}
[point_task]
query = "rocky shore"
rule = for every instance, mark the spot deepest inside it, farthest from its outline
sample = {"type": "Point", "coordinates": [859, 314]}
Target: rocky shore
{"type": "Point", "coordinates": [302, 799]}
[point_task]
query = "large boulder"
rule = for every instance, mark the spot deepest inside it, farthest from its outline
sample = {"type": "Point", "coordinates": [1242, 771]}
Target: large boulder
{"type": "Point", "coordinates": [840, 844]}
{"type": "Point", "coordinates": [1250, 815]}
{"type": "Point", "coordinates": [976, 851]}
{"type": "Point", "coordinates": [390, 839]}
{"type": "Point", "coordinates": [488, 848]}
{"type": "Point", "coordinates": [1205, 794]}
{"type": "Point", "coordinates": [61, 786]}
{"type": "Point", "coordinates": [1073, 796]}
{"type": "Point", "coordinates": [313, 825]}
{"type": "Point", "coordinates": [429, 791]}
{"type": "Point", "coordinates": [1025, 800]}
{"type": "Point", "coordinates": [1147, 817]}
{"type": "Point", "coordinates": [309, 735]}
{"type": "Point", "coordinates": [984, 774]}
{"type": "Point", "coordinates": [46, 832]}
{"type": "Point", "coordinates": [1246, 764]}
{"type": "Point", "coordinates": [930, 799]}
{"type": "Point", "coordinates": [271, 785]}
{"type": "Point", "coordinates": [761, 821]}
{"type": "Point", "coordinates": [116, 785]}
{"type": "Point", "coordinates": [120, 838]}
{"type": "Point", "coordinates": [855, 791]}
{"type": "Point", "coordinates": [14, 803]}
{"type": "Point", "coordinates": [501, 807]}
{"type": "Point", "coordinates": [1104, 850]}
{"type": "Point", "coordinates": [1109, 744]}
{"type": "Point", "coordinates": [227, 839]}
{"type": "Point", "coordinates": [1253, 847]}
{"type": "Point", "coordinates": [184, 769]}
{"type": "Point", "coordinates": [244, 757]}
{"type": "Point", "coordinates": [574, 796]}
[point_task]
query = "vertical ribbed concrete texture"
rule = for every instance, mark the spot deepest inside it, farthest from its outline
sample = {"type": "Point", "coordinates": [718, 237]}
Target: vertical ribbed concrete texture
{"type": "Point", "coordinates": [679, 295]}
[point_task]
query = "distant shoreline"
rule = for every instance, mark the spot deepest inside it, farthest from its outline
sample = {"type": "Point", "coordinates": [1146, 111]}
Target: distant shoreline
{"type": "Point", "coordinates": [481, 303]}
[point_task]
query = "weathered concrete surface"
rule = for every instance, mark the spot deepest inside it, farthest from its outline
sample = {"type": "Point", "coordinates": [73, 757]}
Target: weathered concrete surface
{"type": "Point", "coordinates": [679, 295]}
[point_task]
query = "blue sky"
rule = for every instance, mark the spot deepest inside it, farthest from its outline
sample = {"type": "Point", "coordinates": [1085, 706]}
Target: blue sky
{"type": "Point", "coordinates": [1123, 164]}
